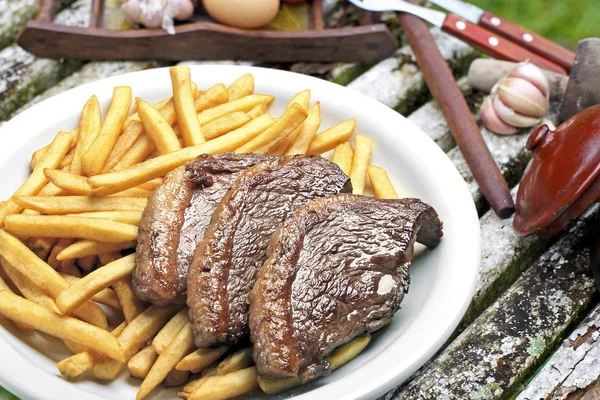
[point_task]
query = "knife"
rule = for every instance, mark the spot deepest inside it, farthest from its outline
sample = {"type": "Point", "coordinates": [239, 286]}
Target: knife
{"type": "Point", "coordinates": [516, 33]}
{"type": "Point", "coordinates": [478, 37]}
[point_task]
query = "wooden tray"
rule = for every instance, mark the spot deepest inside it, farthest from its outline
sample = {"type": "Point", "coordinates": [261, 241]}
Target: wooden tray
{"type": "Point", "coordinates": [205, 41]}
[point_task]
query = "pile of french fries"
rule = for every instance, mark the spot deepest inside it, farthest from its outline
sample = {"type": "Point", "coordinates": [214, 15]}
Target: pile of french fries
{"type": "Point", "coordinates": [68, 234]}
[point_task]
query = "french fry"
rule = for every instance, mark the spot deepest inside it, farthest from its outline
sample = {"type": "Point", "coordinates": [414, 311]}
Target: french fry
{"type": "Point", "coordinates": [132, 132]}
{"type": "Point", "coordinates": [78, 364]}
{"type": "Point", "coordinates": [66, 328]}
{"type": "Point", "coordinates": [244, 104]}
{"type": "Point", "coordinates": [342, 156]}
{"type": "Point", "coordinates": [363, 148]}
{"type": "Point", "coordinates": [183, 99]}
{"type": "Point", "coordinates": [339, 357]}
{"type": "Point", "coordinates": [225, 124]}
{"type": "Point", "coordinates": [302, 98]}
{"type": "Point", "coordinates": [290, 120]}
{"type": "Point", "coordinates": [27, 288]}
{"type": "Point", "coordinates": [151, 184]}
{"type": "Point", "coordinates": [85, 288]}
{"type": "Point", "coordinates": [37, 180]}
{"type": "Point", "coordinates": [69, 267]}
{"type": "Point", "coordinates": [222, 387]}
{"type": "Point", "coordinates": [72, 183]}
{"type": "Point", "coordinates": [57, 205]}
{"type": "Point", "coordinates": [42, 246]}
{"type": "Point", "coordinates": [5, 286]}
{"type": "Point", "coordinates": [51, 190]}
{"type": "Point", "coordinates": [43, 276]}
{"type": "Point", "coordinates": [133, 338]}
{"type": "Point", "coordinates": [85, 248]}
{"type": "Point", "coordinates": [117, 181]}
{"type": "Point", "coordinates": [241, 359]}
{"type": "Point", "coordinates": [168, 359]}
{"type": "Point", "coordinates": [87, 263]}
{"type": "Point", "coordinates": [212, 97]}
{"type": "Point", "coordinates": [94, 158]}
{"type": "Point", "coordinates": [133, 192]}
{"type": "Point", "coordinates": [176, 378]}
{"type": "Point", "coordinates": [107, 258]}
{"type": "Point", "coordinates": [136, 117]}
{"type": "Point", "coordinates": [158, 128]}
{"type": "Point", "coordinates": [127, 217]}
{"type": "Point", "coordinates": [258, 110]}
{"type": "Point", "coordinates": [170, 330]}
{"type": "Point", "coordinates": [140, 364]}
{"type": "Point", "coordinates": [65, 164]}
{"type": "Point", "coordinates": [130, 305]}
{"type": "Point", "coordinates": [328, 139]}
{"type": "Point", "coordinates": [61, 226]}
{"type": "Point", "coordinates": [381, 184]}
{"type": "Point", "coordinates": [140, 150]}
{"type": "Point", "coordinates": [306, 132]}
{"type": "Point", "coordinates": [242, 86]}
{"type": "Point", "coordinates": [58, 248]}
{"type": "Point", "coordinates": [106, 296]}
{"type": "Point", "coordinates": [90, 125]}
{"type": "Point", "coordinates": [201, 358]}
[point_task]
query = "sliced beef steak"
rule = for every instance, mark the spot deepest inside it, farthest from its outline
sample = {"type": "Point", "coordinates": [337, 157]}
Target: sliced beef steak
{"type": "Point", "coordinates": [235, 245]}
{"type": "Point", "coordinates": [336, 269]}
{"type": "Point", "coordinates": [175, 220]}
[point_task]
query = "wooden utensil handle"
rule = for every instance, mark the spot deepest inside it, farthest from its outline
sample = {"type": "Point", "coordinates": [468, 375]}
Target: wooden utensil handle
{"type": "Point", "coordinates": [47, 10]}
{"type": "Point", "coordinates": [454, 107]}
{"type": "Point", "coordinates": [529, 40]}
{"type": "Point", "coordinates": [494, 45]}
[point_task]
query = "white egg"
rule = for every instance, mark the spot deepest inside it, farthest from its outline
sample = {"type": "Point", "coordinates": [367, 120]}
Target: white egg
{"type": "Point", "coordinates": [242, 13]}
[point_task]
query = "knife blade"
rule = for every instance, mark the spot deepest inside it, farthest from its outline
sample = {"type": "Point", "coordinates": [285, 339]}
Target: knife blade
{"type": "Point", "coordinates": [514, 32]}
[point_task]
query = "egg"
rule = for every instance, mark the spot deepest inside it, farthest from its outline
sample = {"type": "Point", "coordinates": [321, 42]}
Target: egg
{"type": "Point", "coordinates": [242, 13]}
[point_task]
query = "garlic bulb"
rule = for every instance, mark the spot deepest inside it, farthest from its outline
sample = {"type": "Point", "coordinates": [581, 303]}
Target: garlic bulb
{"type": "Point", "coordinates": [157, 13]}
{"type": "Point", "coordinates": [520, 100]}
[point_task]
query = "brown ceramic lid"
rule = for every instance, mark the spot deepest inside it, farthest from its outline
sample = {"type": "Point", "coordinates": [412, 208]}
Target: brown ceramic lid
{"type": "Point", "coordinates": [562, 179]}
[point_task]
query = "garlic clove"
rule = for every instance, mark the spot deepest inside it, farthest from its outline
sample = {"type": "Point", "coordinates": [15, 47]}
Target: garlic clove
{"type": "Point", "coordinates": [523, 97]}
{"type": "Point", "coordinates": [510, 116]}
{"type": "Point", "coordinates": [491, 120]}
{"type": "Point", "coordinates": [532, 74]}
{"type": "Point", "coordinates": [182, 9]}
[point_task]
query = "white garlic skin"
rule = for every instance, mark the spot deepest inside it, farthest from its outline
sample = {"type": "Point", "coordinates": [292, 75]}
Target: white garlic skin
{"type": "Point", "coordinates": [533, 75]}
{"type": "Point", "coordinates": [510, 116]}
{"type": "Point", "coordinates": [154, 13]}
{"type": "Point", "coordinates": [519, 100]}
{"type": "Point", "coordinates": [492, 121]}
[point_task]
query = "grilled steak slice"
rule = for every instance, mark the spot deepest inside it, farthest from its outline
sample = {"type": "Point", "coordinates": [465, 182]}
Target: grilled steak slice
{"type": "Point", "coordinates": [234, 247]}
{"type": "Point", "coordinates": [175, 220]}
{"type": "Point", "coordinates": [336, 269]}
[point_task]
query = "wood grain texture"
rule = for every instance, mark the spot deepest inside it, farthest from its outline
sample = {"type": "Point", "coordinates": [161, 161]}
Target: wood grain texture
{"type": "Point", "coordinates": [514, 336]}
{"type": "Point", "coordinates": [208, 41]}
{"type": "Point", "coordinates": [573, 371]}
{"type": "Point", "coordinates": [441, 82]}
{"type": "Point", "coordinates": [495, 45]}
{"type": "Point", "coordinates": [530, 40]}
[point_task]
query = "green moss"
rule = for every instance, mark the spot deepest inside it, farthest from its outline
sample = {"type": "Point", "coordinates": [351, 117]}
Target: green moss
{"type": "Point", "coordinates": [343, 74]}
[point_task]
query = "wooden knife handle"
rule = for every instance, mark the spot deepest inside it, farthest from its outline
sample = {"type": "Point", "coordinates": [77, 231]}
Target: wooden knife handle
{"type": "Point", "coordinates": [529, 40]}
{"type": "Point", "coordinates": [47, 10]}
{"type": "Point", "coordinates": [495, 45]}
{"type": "Point", "coordinates": [454, 107]}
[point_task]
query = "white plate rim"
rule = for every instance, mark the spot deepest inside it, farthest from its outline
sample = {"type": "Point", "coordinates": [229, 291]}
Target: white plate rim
{"type": "Point", "coordinates": [361, 384]}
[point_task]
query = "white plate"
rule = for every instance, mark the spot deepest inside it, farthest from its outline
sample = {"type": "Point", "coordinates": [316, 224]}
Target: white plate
{"type": "Point", "coordinates": [443, 280]}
